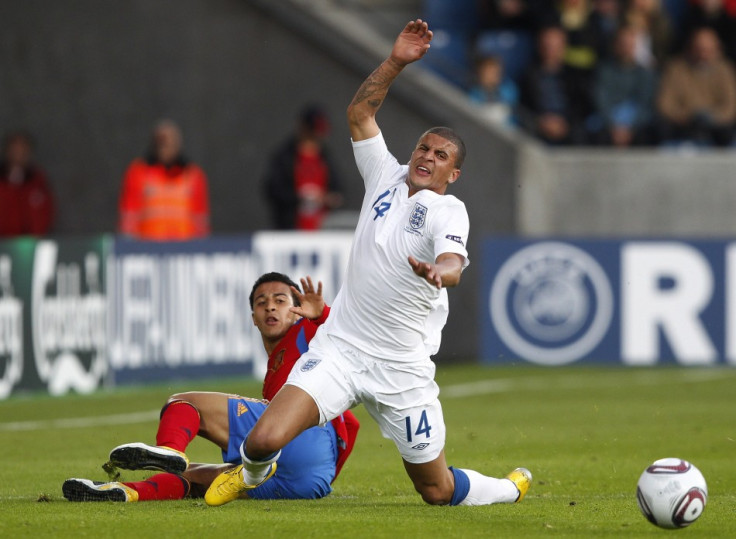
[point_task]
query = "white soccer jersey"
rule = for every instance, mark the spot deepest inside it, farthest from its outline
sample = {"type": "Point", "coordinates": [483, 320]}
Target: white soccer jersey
{"type": "Point", "coordinates": [383, 308]}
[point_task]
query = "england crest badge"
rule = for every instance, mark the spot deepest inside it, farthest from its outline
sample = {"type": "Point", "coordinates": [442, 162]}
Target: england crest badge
{"type": "Point", "coordinates": [417, 217]}
{"type": "Point", "coordinates": [310, 364]}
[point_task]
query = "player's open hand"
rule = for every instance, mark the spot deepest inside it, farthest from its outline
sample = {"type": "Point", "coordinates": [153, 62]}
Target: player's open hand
{"type": "Point", "coordinates": [429, 272]}
{"type": "Point", "coordinates": [412, 43]}
{"type": "Point", "coordinates": [312, 302]}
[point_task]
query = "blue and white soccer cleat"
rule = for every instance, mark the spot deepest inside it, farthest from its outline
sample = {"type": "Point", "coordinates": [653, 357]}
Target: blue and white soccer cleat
{"type": "Point", "coordinates": [84, 490]}
{"type": "Point", "coordinates": [522, 478]}
{"type": "Point", "coordinates": [139, 456]}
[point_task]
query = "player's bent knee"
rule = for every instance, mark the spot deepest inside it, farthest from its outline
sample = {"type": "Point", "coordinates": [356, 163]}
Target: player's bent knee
{"type": "Point", "coordinates": [433, 494]}
{"type": "Point", "coordinates": [264, 441]}
{"type": "Point", "coordinates": [180, 398]}
{"type": "Point", "coordinates": [177, 397]}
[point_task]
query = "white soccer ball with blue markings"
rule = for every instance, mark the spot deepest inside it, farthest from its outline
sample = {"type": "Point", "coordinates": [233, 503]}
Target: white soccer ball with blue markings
{"type": "Point", "coordinates": [671, 493]}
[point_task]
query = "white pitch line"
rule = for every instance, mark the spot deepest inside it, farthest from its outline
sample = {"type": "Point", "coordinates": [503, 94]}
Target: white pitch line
{"type": "Point", "coordinates": [534, 383]}
{"type": "Point", "coordinates": [82, 422]}
{"type": "Point", "coordinates": [470, 389]}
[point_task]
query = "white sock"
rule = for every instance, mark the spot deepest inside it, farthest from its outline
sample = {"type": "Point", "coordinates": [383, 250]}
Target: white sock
{"type": "Point", "coordinates": [255, 471]}
{"type": "Point", "coordinates": [487, 490]}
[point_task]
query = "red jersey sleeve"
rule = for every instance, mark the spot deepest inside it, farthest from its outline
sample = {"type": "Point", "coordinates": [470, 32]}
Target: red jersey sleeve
{"type": "Point", "coordinates": [323, 317]}
{"type": "Point", "coordinates": [346, 428]}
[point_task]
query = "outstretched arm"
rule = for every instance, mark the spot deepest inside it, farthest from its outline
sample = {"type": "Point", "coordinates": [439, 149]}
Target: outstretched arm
{"type": "Point", "coordinates": [312, 302]}
{"type": "Point", "coordinates": [411, 44]}
{"type": "Point", "coordinates": [445, 271]}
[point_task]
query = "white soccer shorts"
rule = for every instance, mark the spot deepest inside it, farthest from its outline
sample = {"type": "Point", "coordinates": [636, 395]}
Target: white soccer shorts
{"type": "Point", "coordinates": [401, 397]}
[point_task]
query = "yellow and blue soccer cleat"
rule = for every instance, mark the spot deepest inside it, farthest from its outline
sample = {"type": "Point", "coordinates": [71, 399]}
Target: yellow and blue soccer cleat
{"type": "Point", "coordinates": [139, 456]}
{"type": "Point", "coordinates": [84, 490]}
{"type": "Point", "coordinates": [522, 478]}
{"type": "Point", "coordinates": [229, 485]}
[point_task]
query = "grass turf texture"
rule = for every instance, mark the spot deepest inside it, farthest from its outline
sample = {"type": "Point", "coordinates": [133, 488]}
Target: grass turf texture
{"type": "Point", "coordinates": [585, 433]}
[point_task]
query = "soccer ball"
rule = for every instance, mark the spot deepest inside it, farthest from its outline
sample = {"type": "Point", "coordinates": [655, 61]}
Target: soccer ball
{"type": "Point", "coordinates": [671, 493]}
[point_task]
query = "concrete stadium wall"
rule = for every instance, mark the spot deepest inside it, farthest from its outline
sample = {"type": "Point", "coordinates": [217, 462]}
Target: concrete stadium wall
{"type": "Point", "coordinates": [634, 193]}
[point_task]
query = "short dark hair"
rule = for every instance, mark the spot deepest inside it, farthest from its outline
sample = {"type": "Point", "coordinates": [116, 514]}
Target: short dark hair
{"type": "Point", "coordinates": [274, 277]}
{"type": "Point", "coordinates": [452, 136]}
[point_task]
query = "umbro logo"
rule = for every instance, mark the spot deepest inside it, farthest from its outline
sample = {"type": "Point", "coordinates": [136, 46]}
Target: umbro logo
{"type": "Point", "coordinates": [421, 446]}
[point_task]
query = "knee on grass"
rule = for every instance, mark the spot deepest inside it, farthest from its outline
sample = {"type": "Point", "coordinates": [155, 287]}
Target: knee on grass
{"type": "Point", "coordinates": [434, 494]}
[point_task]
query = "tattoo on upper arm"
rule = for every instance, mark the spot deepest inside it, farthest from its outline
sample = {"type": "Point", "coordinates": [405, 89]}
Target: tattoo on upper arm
{"type": "Point", "coordinates": [373, 90]}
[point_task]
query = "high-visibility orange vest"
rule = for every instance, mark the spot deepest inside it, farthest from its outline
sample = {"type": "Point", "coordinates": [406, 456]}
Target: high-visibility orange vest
{"type": "Point", "coordinates": [164, 203]}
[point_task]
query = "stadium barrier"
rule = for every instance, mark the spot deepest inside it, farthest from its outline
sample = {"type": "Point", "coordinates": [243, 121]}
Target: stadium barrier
{"type": "Point", "coordinates": [83, 313]}
{"type": "Point", "coordinates": [634, 302]}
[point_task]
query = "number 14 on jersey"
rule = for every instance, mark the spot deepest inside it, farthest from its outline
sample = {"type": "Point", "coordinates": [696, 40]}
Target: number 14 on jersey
{"type": "Point", "coordinates": [423, 427]}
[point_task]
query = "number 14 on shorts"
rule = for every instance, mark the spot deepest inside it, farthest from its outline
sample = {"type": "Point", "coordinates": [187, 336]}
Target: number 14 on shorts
{"type": "Point", "coordinates": [423, 427]}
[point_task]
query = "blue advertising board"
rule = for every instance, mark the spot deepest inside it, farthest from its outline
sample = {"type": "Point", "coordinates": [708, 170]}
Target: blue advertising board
{"type": "Point", "coordinates": [77, 314]}
{"type": "Point", "coordinates": [181, 309]}
{"type": "Point", "coordinates": [636, 302]}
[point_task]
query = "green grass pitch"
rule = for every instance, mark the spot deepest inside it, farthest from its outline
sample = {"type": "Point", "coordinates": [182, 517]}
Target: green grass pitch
{"type": "Point", "coordinates": [585, 433]}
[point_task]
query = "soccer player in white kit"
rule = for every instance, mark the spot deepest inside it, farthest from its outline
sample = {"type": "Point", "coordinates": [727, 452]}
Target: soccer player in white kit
{"type": "Point", "coordinates": [386, 320]}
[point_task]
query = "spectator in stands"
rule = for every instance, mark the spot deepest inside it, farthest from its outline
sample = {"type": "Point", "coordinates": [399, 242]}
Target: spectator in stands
{"type": "Point", "coordinates": [517, 15]}
{"type": "Point", "coordinates": [573, 16]}
{"type": "Point", "coordinates": [717, 14]}
{"type": "Point", "coordinates": [494, 93]}
{"type": "Point", "coordinates": [555, 98]}
{"type": "Point", "coordinates": [301, 183]}
{"type": "Point", "coordinates": [26, 201]}
{"type": "Point", "coordinates": [604, 20]}
{"type": "Point", "coordinates": [164, 196]}
{"type": "Point", "coordinates": [697, 94]}
{"type": "Point", "coordinates": [654, 38]}
{"type": "Point", "coordinates": [624, 94]}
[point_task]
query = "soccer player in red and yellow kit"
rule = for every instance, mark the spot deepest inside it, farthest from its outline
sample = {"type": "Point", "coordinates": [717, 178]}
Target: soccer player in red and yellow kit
{"type": "Point", "coordinates": [287, 321]}
{"type": "Point", "coordinates": [164, 197]}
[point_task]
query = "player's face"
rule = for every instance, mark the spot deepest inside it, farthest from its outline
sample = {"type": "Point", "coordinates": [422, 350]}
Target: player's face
{"type": "Point", "coordinates": [271, 315]}
{"type": "Point", "coordinates": [432, 165]}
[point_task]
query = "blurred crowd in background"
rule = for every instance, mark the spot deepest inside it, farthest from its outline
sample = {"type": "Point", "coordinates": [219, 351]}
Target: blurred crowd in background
{"type": "Point", "coordinates": [609, 73]}
{"type": "Point", "coordinates": [595, 72]}
{"type": "Point", "coordinates": [165, 196]}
